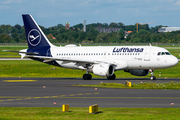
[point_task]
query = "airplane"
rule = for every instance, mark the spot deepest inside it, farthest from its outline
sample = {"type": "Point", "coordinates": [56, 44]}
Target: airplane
{"type": "Point", "coordinates": [99, 60]}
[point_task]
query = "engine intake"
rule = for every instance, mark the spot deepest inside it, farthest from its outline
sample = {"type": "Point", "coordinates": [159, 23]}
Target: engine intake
{"type": "Point", "coordinates": [103, 70]}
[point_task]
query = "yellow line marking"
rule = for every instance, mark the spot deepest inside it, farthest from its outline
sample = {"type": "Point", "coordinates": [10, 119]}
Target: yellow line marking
{"type": "Point", "coordinates": [19, 80]}
{"type": "Point", "coordinates": [96, 93]}
{"type": "Point", "coordinates": [28, 98]}
{"type": "Point", "coordinates": [54, 96]}
{"type": "Point", "coordinates": [127, 97]}
{"type": "Point", "coordinates": [18, 99]}
{"type": "Point", "coordinates": [72, 95]}
{"type": "Point", "coordinates": [88, 93]}
{"type": "Point", "coordinates": [9, 99]}
{"type": "Point", "coordinates": [1, 100]}
{"type": "Point", "coordinates": [46, 97]}
{"type": "Point", "coordinates": [36, 97]}
{"type": "Point", "coordinates": [62, 95]}
{"type": "Point", "coordinates": [80, 94]}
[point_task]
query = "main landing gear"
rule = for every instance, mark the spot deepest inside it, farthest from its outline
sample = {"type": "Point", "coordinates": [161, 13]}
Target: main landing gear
{"type": "Point", "coordinates": [152, 77]}
{"type": "Point", "coordinates": [87, 76]}
{"type": "Point", "coordinates": [113, 77]}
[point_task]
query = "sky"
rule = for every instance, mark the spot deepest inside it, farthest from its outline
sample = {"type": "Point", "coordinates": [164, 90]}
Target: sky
{"type": "Point", "coordinates": [50, 13]}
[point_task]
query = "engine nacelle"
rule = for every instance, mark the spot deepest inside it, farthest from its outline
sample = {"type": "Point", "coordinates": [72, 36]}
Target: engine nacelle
{"type": "Point", "coordinates": [103, 69]}
{"type": "Point", "coordinates": [138, 72]}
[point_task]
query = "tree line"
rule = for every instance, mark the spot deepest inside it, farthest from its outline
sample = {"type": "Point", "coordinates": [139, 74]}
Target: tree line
{"type": "Point", "coordinates": [59, 34]}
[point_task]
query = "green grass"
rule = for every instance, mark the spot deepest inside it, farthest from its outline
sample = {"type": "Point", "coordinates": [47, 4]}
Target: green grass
{"type": "Point", "coordinates": [149, 85]}
{"type": "Point", "coordinates": [30, 68]}
{"type": "Point", "coordinates": [33, 113]}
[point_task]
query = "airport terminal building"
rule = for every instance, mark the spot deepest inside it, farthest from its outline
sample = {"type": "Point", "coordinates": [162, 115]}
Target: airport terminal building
{"type": "Point", "coordinates": [168, 29]}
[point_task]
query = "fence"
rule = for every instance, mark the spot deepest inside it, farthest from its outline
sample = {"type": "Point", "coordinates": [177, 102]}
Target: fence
{"type": "Point", "coordinates": [97, 44]}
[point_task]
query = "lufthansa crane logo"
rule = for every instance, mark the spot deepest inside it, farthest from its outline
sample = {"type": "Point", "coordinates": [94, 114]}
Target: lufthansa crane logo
{"type": "Point", "coordinates": [34, 37]}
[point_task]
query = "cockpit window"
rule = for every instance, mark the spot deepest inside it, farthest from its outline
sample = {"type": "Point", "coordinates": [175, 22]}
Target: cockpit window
{"type": "Point", "coordinates": [167, 53]}
{"type": "Point", "coordinates": [159, 53]}
{"type": "Point", "coordinates": [163, 53]}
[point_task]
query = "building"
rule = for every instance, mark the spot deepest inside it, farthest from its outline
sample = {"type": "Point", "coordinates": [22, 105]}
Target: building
{"type": "Point", "coordinates": [67, 25]}
{"type": "Point", "coordinates": [168, 29]}
{"type": "Point", "coordinates": [84, 27]}
{"type": "Point", "coordinates": [127, 33]}
{"type": "Point", "coordinates": [108, 30]}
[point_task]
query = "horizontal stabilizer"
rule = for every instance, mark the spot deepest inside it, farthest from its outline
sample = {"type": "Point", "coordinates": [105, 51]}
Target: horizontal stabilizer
{"type": "Point", "coordinates": [27, 53]}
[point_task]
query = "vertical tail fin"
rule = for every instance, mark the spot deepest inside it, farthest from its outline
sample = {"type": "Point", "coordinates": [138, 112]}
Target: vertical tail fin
{"type": "Point", "coordinates": [35, 37]}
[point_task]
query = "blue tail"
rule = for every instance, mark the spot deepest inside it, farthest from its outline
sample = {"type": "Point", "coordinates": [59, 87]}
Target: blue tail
{"type": "Point", "coordinates": [37, 41]}
{"type": "Point", "coordinates": [35, 36]}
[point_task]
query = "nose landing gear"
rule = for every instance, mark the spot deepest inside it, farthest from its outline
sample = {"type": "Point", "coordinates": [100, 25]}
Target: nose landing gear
{"type": "Point", "coordinates": [152, 77]}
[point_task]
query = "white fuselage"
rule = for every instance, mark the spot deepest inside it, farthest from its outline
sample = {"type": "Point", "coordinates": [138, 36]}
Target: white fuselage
{"type": "Point", "coordinates": [125, 57]}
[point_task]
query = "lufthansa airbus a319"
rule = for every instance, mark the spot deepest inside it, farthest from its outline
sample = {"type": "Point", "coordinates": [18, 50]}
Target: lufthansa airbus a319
{"type": "Point", "coordinates": [101, 60]}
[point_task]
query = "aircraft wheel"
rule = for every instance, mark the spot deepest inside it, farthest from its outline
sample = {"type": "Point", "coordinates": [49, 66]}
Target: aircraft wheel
{"type": "Point", "coordinates": [152, 78]}
{"type": "Point", "coordinates": [87, 76]}
{"type": "Point", "coordinates": [113, 77]}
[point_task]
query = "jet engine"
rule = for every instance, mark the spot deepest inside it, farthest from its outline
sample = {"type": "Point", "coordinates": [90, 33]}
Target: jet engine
{"type": "Point", "coordinates": [138, 72]}
{"type": "Point", "coordinates": [103, 69]}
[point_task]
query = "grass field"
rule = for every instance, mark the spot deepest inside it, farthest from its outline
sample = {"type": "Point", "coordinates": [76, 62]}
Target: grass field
{"type": "Point", "coordinates": [31, 113]}
{"type": "Point", "coordinates": [146, 85]}
{"type": "Point", "coordinates": [30, 68]}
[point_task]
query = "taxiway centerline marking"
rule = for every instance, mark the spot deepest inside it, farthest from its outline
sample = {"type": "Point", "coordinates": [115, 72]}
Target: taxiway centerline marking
{"type": "Point", "coordinates": [19, 80]}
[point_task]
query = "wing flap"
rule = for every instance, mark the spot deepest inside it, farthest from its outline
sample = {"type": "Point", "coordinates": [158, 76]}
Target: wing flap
{"type": "Point", "coordinates": [47, 59]}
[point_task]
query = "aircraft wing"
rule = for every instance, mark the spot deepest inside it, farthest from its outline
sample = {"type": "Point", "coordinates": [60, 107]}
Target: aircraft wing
{"type": "Point", "coordinates": [48, 59]}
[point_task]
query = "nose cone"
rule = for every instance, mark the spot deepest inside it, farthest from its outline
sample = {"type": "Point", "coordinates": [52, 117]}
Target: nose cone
{"type": "Point", "coordinates": [174, 61]}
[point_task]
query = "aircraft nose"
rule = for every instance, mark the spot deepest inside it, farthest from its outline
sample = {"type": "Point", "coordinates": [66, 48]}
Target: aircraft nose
{"type": "Point", "coordinates": [174, 61]}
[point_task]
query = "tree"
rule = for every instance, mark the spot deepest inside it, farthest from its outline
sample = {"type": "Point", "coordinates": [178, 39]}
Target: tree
{"type": "Point", "coordinates": [17, 26]}
{"type": "Point", "coordinates": [113, 25]}
{"type": "Point", "coordinates": [121, 25]}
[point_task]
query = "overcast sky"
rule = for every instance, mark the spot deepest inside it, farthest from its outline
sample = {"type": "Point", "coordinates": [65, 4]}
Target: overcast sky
{"type": "Point", "coordinates": [49, 13]}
